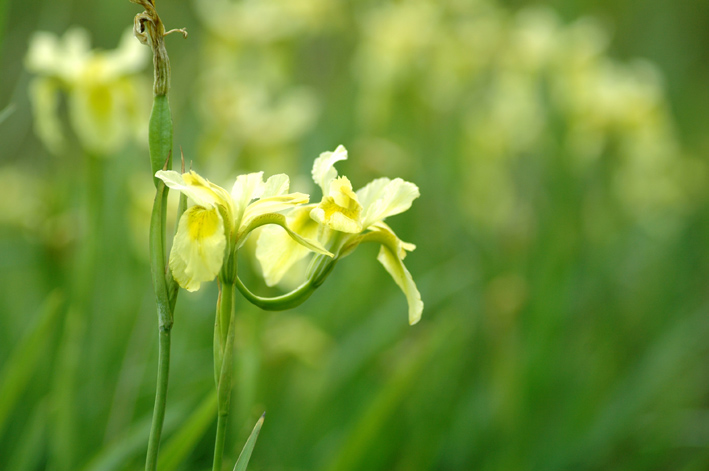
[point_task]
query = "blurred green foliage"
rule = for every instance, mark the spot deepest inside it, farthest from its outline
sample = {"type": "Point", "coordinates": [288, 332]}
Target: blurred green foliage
{"type": "Point", "coordinates": [561, 240]}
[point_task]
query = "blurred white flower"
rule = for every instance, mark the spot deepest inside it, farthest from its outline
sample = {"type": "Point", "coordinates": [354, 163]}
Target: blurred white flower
{"type": "Point", "coordinates": [105, 96]}
{"type": "Point", "coordinates": [265, 20]}
{"type": "Point", "coordinates": [532, 95]}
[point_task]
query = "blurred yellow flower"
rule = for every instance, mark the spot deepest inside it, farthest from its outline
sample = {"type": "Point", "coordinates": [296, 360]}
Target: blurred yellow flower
{"type": "Point", "coordinates": [265, 20]}
{"type": "Point", "coordinates": [251, 105]}
{"type": "Point", "coordinates": [220, 221]}
{"type": "Point", "coordinates": [527, 89]}
{"type": "Point", "coordinates": [341, 221]}
{"type": "Point", "coordinates": [103, 92]}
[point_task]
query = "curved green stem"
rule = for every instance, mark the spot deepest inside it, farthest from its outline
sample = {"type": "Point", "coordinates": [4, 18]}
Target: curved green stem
{"type": "Point", "coordinates": [278, 303]}
{"type": "Point", "coordinates": [319, 269]}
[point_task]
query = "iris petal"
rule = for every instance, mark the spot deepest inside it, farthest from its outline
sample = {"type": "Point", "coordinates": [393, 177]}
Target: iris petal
{"type": "Point", "coordinates": [383, 198]}
{"type": "Point", "coordinates": [395, 266]}
{"type": "Point", "coordinates": [44, 95]}
{"type": "Point", "coordinates": [277, 252]}
{"type": "Point", "coordinates": [198, 247]}
{"type": "Point", "coordinates": [200, 190]}
{"type": "Point", "coordinates": [246, 188]}
{"type": "Point", "coordinates": [324, 171]}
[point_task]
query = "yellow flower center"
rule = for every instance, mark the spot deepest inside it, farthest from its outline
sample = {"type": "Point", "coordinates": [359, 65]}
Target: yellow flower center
{"type": "Point", "coordinates": [340, 210]}
{"type": "Point", "coordinates": [202, 223]}
{"type": "Point", "coordinates": [330, 207]}
{"type": "Point", "coordinates": [342, 199]}
{"type": "Point", "coordinates": [101, 101]}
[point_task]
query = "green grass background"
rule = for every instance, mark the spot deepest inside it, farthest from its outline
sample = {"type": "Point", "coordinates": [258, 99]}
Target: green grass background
{"type": "Point", "coordinates": [556, 349]}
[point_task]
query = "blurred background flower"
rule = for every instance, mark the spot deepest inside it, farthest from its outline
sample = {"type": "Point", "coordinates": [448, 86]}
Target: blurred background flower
{"type": "Point", "coordinates": [105, 97]}
{"type": "Point", "coordinates": [560, 149]}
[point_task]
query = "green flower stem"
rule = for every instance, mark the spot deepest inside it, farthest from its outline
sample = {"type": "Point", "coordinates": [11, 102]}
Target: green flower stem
{"type": "Point", "coordinates": [160, 400]}
{"type": "Point", "coordinates": [219, 441]}
{"type": "Point", "coordinates": [165, 319]}
{"type": "Point", "coordinates": [149, 30]}
{"type": "Point", "coordinates": [225, 316]}
{"type": "Point", "coordinates": [160, 140]}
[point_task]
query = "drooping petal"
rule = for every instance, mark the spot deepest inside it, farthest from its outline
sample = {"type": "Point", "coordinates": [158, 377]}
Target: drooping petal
{"type": "Point", "coordinates": [44, 96]}
{"type": "Point", "coordinates": [277, 252]}
{"type": "Point", "coordinates": [198, 189]}
{"type": "Point", "coordinates": [382, 198]}
{"type": "Point", "coordinates": [246, 188]}
{"type": "Point", "coordinates": [198, 248]}
{"type": "Point", "coordinates": [391, 256]}
{"type": "Point", "coordinates": [384, 228]}
{"type": "Point", "coordinates": [324, 171]}
{"type": "Point", "coordinates": [395, 266]}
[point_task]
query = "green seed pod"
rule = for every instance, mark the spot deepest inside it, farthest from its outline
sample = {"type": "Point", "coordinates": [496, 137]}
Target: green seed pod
{"type": "Point", "coordinates": [160, 136]}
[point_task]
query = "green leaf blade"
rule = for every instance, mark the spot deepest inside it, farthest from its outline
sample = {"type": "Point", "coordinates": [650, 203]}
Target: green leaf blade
{"type": "Point", "coordinates": [245, 454]}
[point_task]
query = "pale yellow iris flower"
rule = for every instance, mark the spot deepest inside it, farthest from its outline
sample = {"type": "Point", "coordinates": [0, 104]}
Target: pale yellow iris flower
{"type": "Point", "coordinates": [219, 222]}
{"type": "Point", "coordinates": [104, 93]}
{"type": "Point", "coordinates": [341, 221]}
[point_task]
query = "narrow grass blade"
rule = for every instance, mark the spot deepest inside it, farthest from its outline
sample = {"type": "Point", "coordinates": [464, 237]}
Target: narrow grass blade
{"type": "Point", "coordinates": [187, 437]}
{"type": "Point", "coordinates": [119, 454]}
{"type": "Point", "coordinates": [6, 112]}
{"type": "Point", "coordinates": [21, 365]}
{"type": "Point", "coordinates": [64, 430]}
{"type": "Point", "coordinates": [26, 457]}
{"type": "Point", "coordinates": [245, 455]}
